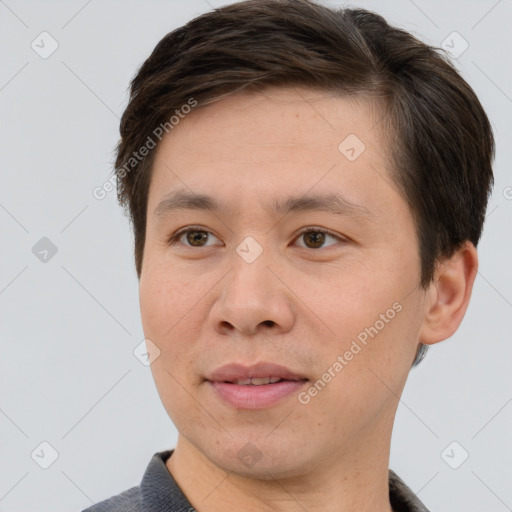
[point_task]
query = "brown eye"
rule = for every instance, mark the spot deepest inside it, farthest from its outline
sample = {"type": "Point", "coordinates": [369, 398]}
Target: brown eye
{"type": "Point", "coordinates": [193, 237]}
{"type": "Point", "coordinates": [196, 237]}
{"type": "Point", "coordinates": [315, 238]}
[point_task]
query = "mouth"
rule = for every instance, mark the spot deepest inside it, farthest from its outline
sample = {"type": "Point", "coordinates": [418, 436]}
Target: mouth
{"type": "Point", "coordinates": [254, 387]}
{"type": "Point", "coordinates": [256, 381]}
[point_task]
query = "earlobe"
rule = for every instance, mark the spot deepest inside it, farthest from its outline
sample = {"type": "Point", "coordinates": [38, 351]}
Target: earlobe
{"type": "Point", "coordinates": [449, 294]}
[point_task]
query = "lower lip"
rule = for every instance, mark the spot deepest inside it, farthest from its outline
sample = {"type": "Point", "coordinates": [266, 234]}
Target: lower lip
{"type": "Point", "coordinates": [256, 397]}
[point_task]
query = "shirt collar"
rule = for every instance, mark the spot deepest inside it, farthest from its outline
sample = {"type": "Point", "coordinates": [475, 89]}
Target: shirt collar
{"type": "Point", "coordinates": [161, 493]}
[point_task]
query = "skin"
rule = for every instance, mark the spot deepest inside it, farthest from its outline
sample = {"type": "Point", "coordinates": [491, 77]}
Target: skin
{"type": "Point", "coordinates": [296, 305]}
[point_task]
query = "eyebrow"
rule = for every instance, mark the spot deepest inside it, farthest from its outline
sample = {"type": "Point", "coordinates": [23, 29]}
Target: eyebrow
{"type": "Point", "coordinates": [329, 203]}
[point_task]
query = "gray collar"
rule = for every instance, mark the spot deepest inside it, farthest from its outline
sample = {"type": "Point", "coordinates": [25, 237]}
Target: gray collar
{"type": "Point", "coordinates": [161, 493]}
{"type": "Point", "coordinates": [401, 497]}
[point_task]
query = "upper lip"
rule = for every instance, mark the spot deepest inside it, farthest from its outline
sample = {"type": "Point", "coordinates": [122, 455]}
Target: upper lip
{"type": "Point", "coordinates": [234, 372]}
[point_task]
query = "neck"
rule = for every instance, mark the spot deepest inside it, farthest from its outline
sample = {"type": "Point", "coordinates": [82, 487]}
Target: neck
{"type": "Point", "coordinates": [356, 480]}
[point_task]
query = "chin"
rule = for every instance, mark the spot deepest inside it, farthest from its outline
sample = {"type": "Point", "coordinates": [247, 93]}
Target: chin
{"type": "Point", "coordinates": [260, 459]}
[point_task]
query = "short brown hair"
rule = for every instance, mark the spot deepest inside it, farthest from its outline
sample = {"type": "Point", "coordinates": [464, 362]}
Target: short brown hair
{"type": "Point", "coordinates": [441, 139]}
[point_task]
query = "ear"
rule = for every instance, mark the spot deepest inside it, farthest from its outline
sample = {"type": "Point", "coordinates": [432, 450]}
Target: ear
{"type": "Point", "coordinates": [448, 295]}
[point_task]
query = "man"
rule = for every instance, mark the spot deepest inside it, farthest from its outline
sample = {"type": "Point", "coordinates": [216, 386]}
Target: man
{"type": "Point", "coordinates": [307, 189]}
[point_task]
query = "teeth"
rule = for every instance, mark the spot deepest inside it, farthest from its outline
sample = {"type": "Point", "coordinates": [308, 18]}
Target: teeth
{"type": "Point", "coordinates": [258, 381]}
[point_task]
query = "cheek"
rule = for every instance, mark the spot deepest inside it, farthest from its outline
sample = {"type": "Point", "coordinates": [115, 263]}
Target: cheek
{"type": "Point", "coordinates": [378, 354]}
{"type": "Point", "coordinates": [167, 301]}
{"type": "Point", "coordinates": [168, 321]}
{"type": "Point", "coordinates": [345, 300]}
{"type": "Point", "coordinates": [374, 320]}
{"type": "Point", "coordinates": [170, 373]}
{"type": "Point", "coordinates": [172, 318]}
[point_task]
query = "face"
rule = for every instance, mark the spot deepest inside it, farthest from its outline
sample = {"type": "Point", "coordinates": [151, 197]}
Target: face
{"type": "Point", "coordinates": [301, 265]}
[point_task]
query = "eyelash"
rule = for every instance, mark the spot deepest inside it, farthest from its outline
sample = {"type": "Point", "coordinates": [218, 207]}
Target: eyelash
{"type": "Point", "coordinates": [174, 238]}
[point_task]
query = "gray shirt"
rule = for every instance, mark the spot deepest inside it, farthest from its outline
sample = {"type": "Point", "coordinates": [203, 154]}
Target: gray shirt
{"type": "Point", "coordinates": [159, 492]}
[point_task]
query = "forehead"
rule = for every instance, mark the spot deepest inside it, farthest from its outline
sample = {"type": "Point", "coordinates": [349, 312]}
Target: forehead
{"type": "Point", "coordinates": [279, 139]}
{"type": "Point", "coordinates": [283, 115]}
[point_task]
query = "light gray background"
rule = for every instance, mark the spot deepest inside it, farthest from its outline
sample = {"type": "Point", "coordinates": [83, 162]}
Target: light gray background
{"type": "Point", "coordinates": [68, 375]}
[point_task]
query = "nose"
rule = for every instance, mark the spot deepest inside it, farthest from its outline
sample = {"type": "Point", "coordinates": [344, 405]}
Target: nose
{"type": "Point", "coordinates": [252, 299]}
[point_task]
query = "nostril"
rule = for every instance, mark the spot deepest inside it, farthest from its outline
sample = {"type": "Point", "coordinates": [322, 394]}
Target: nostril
{"type": "Point", "coordinates": [227, 325]}
{"type": "Point", "coordinates": [268, 323]}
